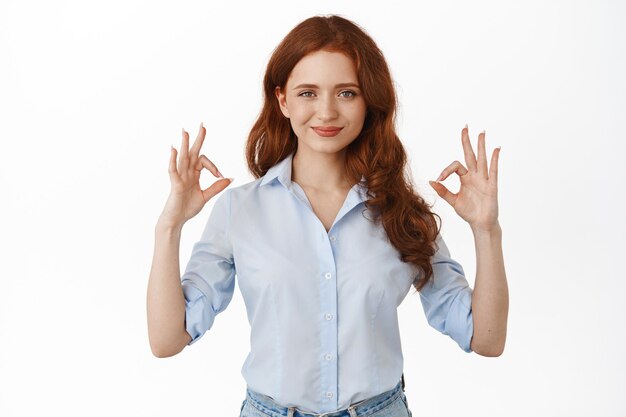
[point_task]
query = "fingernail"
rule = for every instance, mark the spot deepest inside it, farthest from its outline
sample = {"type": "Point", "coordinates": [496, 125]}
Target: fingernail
{"type": "Point", "coordinates": [201, 126]}
{"type": "Point", "coordinates": [483, 132]}
{"type": "Point", "coordinates": [230, 179]}
{"type": "Point", "coordinates": [465, 125]}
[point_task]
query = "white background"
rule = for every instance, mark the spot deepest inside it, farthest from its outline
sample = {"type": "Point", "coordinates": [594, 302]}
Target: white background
{"type": "Point", "coordinates": [92, 95]}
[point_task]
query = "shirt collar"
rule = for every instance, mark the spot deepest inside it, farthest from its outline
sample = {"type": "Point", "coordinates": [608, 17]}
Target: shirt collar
{"type": "Point", "coordinates": [282, 172]}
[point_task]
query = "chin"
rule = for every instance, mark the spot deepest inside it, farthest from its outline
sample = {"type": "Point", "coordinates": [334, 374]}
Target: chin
{"type": "Point", "coordinates": [328, 147]}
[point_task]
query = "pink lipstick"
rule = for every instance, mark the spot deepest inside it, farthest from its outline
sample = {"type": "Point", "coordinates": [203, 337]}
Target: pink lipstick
{"type": "Point", "coordinates": [327, 131]}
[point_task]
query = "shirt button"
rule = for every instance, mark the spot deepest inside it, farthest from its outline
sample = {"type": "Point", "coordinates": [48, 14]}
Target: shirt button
{"type": "Point", "coordinates": [328, 275]}
{"type": "Point", "coordinates": [329, 316]}
{"type": "Point", "coordinates": [329, 394]}
{"type": "Point", "coordinates": [333, 238]}
{"type": "Point", "coordinates": [328, 356]}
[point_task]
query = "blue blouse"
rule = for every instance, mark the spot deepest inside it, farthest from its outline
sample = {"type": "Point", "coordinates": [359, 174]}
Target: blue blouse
{"type": "Point", "coordinates": [322, 306]}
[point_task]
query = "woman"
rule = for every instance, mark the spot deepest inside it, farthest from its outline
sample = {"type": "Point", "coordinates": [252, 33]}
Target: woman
{"type": "Point", "coordinates": [327, 240]}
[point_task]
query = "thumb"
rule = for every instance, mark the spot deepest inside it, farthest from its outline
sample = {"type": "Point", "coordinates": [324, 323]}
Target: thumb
{"type": "Point", "coordinates": [216, 188]}
{"type": "Point", "coordinates": [443, 192]}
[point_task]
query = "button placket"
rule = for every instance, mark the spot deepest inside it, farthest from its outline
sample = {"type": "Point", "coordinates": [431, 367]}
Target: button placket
{"type": "Point", "coordinates": [328, 312]}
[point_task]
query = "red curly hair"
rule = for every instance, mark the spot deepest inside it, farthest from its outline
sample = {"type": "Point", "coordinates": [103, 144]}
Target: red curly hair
{"type": "Point", "coordinates": [377, 153]}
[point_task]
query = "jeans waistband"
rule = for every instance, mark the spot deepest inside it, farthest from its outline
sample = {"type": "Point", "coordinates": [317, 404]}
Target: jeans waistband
{"type": "Point", "coordinates": [361, 408]}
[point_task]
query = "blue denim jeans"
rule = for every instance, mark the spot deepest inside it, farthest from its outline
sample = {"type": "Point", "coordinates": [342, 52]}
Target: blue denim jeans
{"type": "Point", "coordinates": [392, 403]}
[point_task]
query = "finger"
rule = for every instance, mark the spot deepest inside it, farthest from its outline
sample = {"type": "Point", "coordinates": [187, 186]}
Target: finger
{"type": "Point", "coordinates": [216, 188]}
{"type": "Point", "coordinates": [443, 192]}
{"type": "Point", "coordinates": [456, 166]}
{"type": "Point", "coordinates": [172, 166]}
{"type": "Point", "coordinates": [197, 145]}
{"type": "Point", "coordinates": [205, 162]}
{"type": "Point", "coordinates": [482, 155]}
{"type": "Point", "coordinates": [470, 158]}
{"type": "Point", "coordinates": [493, 169]}
{"type": "Point", "coordinates": [183, 159]}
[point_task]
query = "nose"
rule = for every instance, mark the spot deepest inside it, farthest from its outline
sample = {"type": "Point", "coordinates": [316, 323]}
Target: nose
{"type": "Point", "coordinates": [327, 108]}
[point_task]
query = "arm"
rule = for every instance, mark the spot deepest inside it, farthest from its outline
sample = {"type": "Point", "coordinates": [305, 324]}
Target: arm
{"type": "Point", "coordinates": [165, 300]}
{"type": "Point", "coordinates": [477, 203]}
{"type": "Point", "coordinates": [490, 298]}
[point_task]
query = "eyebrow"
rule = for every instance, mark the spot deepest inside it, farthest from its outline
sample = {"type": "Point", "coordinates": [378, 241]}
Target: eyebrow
{"type": "Point", "coordinates": [341, 85]}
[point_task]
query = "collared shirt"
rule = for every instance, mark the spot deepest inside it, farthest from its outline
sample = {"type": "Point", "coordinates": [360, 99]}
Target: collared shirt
{"type": "Point", "coordinates": [322, 306]}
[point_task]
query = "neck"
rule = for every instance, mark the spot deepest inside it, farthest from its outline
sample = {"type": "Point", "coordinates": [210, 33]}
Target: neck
{"type": "Point", "coordinates": [322, 171]}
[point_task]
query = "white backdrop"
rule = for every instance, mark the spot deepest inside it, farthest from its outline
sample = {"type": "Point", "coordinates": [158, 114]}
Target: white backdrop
{"type": "Point", "coordinates": [93, 95]}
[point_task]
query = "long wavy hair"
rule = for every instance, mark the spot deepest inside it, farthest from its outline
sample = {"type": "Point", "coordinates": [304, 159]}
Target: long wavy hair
{"type": "Point", "coordinates": [376, 154]}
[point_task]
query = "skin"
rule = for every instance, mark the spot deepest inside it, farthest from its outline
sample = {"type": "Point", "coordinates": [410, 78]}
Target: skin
{"type": "Point", "coordinates": [319, 161]}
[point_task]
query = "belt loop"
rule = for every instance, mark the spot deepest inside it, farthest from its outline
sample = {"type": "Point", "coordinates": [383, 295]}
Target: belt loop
{"type": "Point", "coordinates": [290, 414]}
{"type": "Point", "coordinates": [352, 411]}
{"type": "Point", "coordinates": [402, 381]}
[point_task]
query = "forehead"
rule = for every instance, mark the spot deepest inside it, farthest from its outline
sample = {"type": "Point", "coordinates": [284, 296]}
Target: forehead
{"type": "Point", "coordinates": [323, 67]}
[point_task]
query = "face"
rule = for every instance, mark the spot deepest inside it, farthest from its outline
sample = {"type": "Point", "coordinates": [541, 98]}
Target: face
{"type": "Point", "coordinates": [324, 102]}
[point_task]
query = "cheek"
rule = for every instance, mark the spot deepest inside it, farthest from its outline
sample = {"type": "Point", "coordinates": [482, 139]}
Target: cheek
{"type": "Point", "coordinates": [357, 113]}
{"type": "Point", "coordinates": [299, 113]}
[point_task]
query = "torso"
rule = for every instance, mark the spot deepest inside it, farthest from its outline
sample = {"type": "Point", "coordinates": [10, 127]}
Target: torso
{"type": "Point", "coordinates": [326, 205]}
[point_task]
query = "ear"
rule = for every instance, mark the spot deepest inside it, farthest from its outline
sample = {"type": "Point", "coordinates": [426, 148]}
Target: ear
{"type": "Point", "coordinates": [282, 101]}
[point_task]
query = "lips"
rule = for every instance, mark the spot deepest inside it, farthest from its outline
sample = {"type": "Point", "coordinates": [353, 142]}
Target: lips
{"type": "Point", "coordinates": [327, 131]}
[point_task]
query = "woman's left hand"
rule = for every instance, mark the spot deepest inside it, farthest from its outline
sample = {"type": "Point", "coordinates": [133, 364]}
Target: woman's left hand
{"type": "Point", "coordinates": [477, 200]}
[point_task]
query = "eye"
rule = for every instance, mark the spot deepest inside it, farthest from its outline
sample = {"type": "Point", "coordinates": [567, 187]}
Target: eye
{"type": "Point", "coordinates": [352, 93]}
{"type": "Point", "coordinates": [302, 94]}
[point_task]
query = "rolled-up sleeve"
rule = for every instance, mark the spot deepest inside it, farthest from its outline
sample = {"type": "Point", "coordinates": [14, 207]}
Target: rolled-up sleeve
{"type": "Point", "coordinates": [209, 279]}
{"type": "Point", "coordinates": [447, 298]}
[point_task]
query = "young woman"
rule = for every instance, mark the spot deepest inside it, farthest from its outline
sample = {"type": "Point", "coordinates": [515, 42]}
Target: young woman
{"type": "Point", "coordinates": [327, 240]}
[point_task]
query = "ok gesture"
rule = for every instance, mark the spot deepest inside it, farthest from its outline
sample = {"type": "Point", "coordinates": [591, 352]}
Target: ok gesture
{"type": "Point", "coordinates": [186, 197]}
{"type": "Point", "coordinates": [477, 200]}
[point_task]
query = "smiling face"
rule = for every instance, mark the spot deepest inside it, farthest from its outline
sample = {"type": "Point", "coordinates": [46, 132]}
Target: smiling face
{"type": "Point", "coordinates": [322, 92]}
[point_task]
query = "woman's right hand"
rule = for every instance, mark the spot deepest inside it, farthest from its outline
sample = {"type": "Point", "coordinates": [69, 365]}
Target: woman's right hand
{"type": "Point", "coordinates": [186, 198]}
